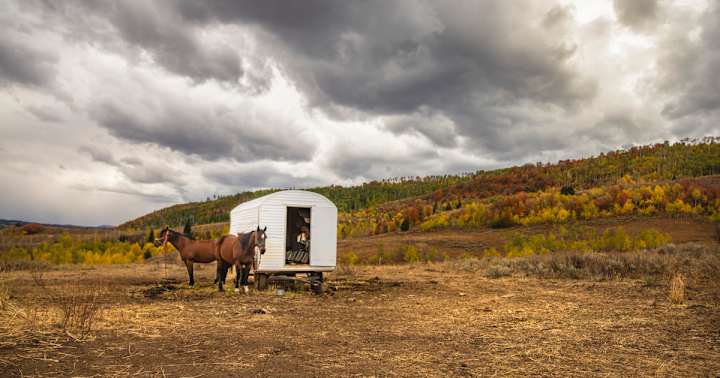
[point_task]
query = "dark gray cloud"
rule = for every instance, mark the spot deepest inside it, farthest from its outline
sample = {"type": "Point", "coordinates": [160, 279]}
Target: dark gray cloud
{"type": "Point", "coordinates": [156, 28]}
{"type": "Point", "coordinates": [260, 176]}
{"type": "Point", "coordinates": [440, 130]}
{"type": "Point", "coordinates": [637, 14]}
{"type": "Point", "coordinates": [191, 130]}
{"type": "Point", "coordinates": [98, 154]}
{"type": "Point", "coordinates": [174, 44]}
{"type": "Point", "coordinates": [156, 198]}
{"type": "Point", "coordinates": [137, 171]}
{"type": "Point", "coordinates": [24, 65]}
{"type": "Point", "coordinates": [398, 57]}
{"type": "Point", "coordinates": [688, 72]}
{"type": "Point", "coordinates": [350, 162]}
{"type": "Point", "coordinates": [45, 113]}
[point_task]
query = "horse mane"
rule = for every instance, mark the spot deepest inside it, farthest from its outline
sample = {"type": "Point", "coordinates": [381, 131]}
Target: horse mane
{"type": "Point", "coordinates": [244, 239]}
{"type": "Point", "coordinates": [221, 239]}
{"type": "Point", "coordinates": [181, 234]}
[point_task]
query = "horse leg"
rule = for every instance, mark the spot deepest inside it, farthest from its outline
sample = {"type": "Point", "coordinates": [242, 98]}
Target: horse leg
{"type": "Point", "coordinates": [189, 265]}
{"type": "Point", "coordinates": [222, 271]}
{"type": "Point", "coordinates": [237, 278]}
{"type": "Point", "coordinates": [218, 271]}
{"type": "Point", "coordinates": [245, 274]}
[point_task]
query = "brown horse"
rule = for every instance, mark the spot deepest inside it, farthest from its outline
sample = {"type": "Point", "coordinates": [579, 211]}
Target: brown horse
{"type": "Point", "coordinates": [239, 251]}
{"type": "Point", "coordinates": [191, 250]}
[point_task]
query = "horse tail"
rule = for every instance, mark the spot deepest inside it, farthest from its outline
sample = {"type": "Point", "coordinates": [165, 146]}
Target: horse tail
{"type": "Point", "coordinates": [218, 246]}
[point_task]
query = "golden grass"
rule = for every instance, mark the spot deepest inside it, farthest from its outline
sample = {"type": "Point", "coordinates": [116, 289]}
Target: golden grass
{"type": "Point", "coordinates": [677, 289]}
{"type": "Point", "coordinates": [423, 319]}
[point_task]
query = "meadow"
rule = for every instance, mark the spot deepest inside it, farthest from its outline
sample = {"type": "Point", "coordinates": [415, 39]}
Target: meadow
{"type": "Point", "coordinates": [630, 313]}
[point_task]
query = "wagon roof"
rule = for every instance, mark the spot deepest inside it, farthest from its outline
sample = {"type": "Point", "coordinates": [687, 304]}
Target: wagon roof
{"type": "Point", "coordinates": [295, 196]}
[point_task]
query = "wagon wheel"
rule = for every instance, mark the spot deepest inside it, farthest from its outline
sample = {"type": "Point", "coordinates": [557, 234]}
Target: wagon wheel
{"type": "Point", "coordinates": [316, 282]}
{"type": "Point", "coordinates": [261, 281]}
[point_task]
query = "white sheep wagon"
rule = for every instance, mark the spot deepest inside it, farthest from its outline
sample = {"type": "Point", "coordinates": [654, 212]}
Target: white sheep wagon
{"type": "Point", "coordinates": [301, 234]}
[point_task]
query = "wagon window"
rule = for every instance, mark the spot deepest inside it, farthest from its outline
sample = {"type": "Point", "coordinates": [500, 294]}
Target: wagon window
{"type": "Point", "coordinates": [297, 238]}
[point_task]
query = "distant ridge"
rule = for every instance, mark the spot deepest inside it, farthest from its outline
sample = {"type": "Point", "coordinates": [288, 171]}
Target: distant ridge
{"type": "Point", "coordinates": [13, 222]}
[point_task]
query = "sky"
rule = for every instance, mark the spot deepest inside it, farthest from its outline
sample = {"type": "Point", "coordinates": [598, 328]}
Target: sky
{"type": "Point", "coordinates": [112, 109]}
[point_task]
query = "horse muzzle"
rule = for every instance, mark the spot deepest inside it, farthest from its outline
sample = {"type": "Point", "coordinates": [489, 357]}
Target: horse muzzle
{"type": "Point", "coordinates": [157, 242]}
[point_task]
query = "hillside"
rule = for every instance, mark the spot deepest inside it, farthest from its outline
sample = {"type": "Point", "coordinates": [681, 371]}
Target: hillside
{"type": "Point", "coordinates": [651, 163]}
{"type": "Point", "coordinates": [345, 198]}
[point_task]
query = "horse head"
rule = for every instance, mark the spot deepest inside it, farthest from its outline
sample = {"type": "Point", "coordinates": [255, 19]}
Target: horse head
{"type": "Point", "coordinates": [260, 237]}
{"type": "Point", "coordinates": [162, 237]}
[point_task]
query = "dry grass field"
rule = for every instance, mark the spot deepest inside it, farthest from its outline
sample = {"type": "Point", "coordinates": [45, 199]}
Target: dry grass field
{"type": "Point", "coordinates": [457, 243]}
{"type": "Point", "coordinates": [455, 318]}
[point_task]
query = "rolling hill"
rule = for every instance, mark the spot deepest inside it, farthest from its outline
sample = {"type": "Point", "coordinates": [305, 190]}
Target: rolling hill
{"type": "Point", "coordinates": [650, 163]}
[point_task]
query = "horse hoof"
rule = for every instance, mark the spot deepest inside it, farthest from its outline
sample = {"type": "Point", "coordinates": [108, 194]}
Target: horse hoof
{"type": "Point", "coordinates": [237, 290]}
{"type": "Point", "coordinates": [245, 288]}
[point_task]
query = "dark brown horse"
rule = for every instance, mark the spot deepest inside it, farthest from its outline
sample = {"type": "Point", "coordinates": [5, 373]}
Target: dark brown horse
{"type": "Point", "coordinates": [191, 250]}
{"type": "Point", "coordinates": [239, 251]}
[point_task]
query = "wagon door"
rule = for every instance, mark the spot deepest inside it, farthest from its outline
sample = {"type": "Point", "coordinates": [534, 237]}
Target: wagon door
{"type": "Point", "coordinates": [323, 236]}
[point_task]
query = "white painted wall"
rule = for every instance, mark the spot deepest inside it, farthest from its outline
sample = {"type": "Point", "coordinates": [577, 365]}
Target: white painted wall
{"type": "Point", "coordinates": [271, 211]}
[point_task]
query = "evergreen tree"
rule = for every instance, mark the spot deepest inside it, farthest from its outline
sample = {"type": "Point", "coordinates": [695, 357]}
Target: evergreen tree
{"type": "Point", "coordinates": [151, 235]}
{"type": "Point", "coordinates": [405, 225]}
{"type": "Point", "coordinates": [187, 230]}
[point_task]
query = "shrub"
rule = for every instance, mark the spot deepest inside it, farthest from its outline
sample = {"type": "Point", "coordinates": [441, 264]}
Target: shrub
{"type": "Point", "coordinates": [411, 254]}
{"type": "Point", "coordinates": [405, 225]}
{"type": "Point", "coordinates": [380, 255]}
{"type": "Point", "coordinates": [351, 258]}
{"type": "Point", "coordinates": [32, 228]}
{"type": "Point", "coordinates": [491, 252]}
{"type": "Point", "coordinates": [677, 289]}
{"type": "Point", "coordinates": [502, 221]}
{"type": "Point", "coordinates": [497, 271]}
{"type": "Point", "coordinates": [79, 313]}
{"type": "Point", "coordinates": [567, 190]}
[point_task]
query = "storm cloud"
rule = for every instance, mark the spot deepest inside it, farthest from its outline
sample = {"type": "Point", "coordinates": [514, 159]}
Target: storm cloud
{"type": "Point", "coordinates": [151, 103]}
{"type": "Point", "coordinates": [636, 14]}
{"type": "Point", "coordinates": [24, 65]}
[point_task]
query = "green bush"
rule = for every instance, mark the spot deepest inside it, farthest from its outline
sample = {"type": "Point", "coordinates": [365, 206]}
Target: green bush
{"type": "Point", "coordinates": [411, 254]}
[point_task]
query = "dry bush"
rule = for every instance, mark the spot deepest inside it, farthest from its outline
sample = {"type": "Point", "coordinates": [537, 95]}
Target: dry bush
{"type": "Point", "coordinates": [497, 271]}
{"type": "Point", "coordinates": [79, 312]}
{"type": "Point", "coordinates": [471, 264]}
{"type": "Point", "coordinates": [37, 272]}
{"type": "Point", "coordinates": [677, 289]}
{"type": "Point", "coordinates": [11, 265]}
{"type": "Point", "coordinates": [693, 260]}
{"type": "Point", "coordinates": [346, 270]}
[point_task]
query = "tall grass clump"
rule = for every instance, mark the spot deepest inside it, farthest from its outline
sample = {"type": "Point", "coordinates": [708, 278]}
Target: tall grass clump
{"type": "Point", "coordinates": [677, 289]}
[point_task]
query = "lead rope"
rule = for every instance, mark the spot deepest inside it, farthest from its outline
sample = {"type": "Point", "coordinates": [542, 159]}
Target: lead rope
{"type": "Point", "coordinates": [256, 254]}
{"type": "Point", "coordinates": [256, 260]}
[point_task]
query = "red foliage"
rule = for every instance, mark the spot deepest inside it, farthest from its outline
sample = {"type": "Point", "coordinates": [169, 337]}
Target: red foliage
{"type": "Point", "coordinates": [32, 228]}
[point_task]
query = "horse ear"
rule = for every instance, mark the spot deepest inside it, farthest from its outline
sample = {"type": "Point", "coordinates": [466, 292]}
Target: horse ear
{"type": "Point", "coordinates": [265, 229]}
{"type": "Point", "coordinates": [258, 228]}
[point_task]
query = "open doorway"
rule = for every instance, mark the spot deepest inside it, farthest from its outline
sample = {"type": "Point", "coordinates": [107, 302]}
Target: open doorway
{"type": "Point", "coordinates": [297, 236]}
